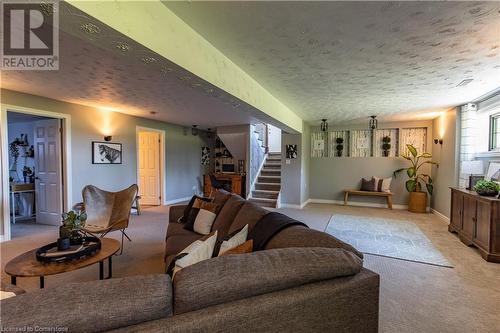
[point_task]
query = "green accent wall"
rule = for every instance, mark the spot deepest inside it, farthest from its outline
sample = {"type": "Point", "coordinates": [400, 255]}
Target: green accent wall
{"type": "Point", "coordinates": [153, 25]}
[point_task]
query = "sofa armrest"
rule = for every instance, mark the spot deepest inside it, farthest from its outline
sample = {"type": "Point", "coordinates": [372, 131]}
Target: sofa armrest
{"type": "Point", "coordinates": [93, 306]}
{"type": "Point", "coordinates": [175, 212]}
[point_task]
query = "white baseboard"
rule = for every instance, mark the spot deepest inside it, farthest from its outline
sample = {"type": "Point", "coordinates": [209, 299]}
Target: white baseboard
{"type": "Point", "coordinates": [356, 203]}
{"type": "Point", "coordinates": [172, 202]}
{"type": "Point", "coordinates": [302, 205]}
{"type": "Point", "coordinates": [440, 215]}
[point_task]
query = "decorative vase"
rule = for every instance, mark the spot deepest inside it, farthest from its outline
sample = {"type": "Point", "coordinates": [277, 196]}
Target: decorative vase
{"type": "Point", "coordinates": [417, 202]}
{"type": "Point", "coordinates": [76, 238]}
{"type": "Point", "coordinates": [385, 153]}
{"type": "Point", "coordinates": [339, 153]}
{"type": "Point", "coordinates": [63, 244]}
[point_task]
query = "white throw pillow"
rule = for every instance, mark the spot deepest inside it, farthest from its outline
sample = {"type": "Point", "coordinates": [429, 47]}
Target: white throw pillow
{"type": "Point", "coordinates": [385, 186]}
{"type": "Point", "coordinates": [6, 294]}
{"type": "Point", "coordinates": [236, 240]}
{"type": "Point", "coordinates": [196, 252]}
{"type": "Point", "coordinates": [204, 221]}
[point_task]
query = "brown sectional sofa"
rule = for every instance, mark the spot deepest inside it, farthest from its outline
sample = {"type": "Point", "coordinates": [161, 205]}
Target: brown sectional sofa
{"type": "Point", "coordinates": [304, 281]}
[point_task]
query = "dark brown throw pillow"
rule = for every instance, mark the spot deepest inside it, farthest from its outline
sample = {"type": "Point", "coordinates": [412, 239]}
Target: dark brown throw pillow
{"type": "Point", "coordinates": [185, 215]}
{"type": "Point", "coordinates": [246, 247]}
{"type": "Point", "coordinates": [368, 185]}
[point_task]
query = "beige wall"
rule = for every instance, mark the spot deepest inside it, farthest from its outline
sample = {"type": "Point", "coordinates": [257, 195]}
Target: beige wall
{"type": "Point", "coordinates": [329, 176]}
{"type": "Point", "coordinates": [446, 175]}
{"type": "Point", "coordinates": [182, 150]}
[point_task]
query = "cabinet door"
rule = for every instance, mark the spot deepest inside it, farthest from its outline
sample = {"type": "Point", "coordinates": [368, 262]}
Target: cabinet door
{"type": "Point", "coordinates": [469, 217]}
{"type": "Point", "coordinates": [456, 210]}
{"type": "Point", "coordinates": [483, 218]}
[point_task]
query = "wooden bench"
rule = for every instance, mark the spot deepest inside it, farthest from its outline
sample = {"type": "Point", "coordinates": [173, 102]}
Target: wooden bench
{"type": "Point", "coordinates": [387, 195]}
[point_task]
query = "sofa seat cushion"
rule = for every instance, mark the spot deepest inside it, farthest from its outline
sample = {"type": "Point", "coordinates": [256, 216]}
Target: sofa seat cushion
{"type": "Point", "coordinates": [175, 228]}
{"type": "Point", "coordinates": [298, 236]}
{"type": "Point", "coordinates": [227, 214]}
{"type": "Point", "coordinates": [93, 306]}
{"type": "Point", "coordinates": [233, 277]}
{"type": "Point", "coordinates": [249, 214]}
{"type": "Point", "coordinates": [176, 243]}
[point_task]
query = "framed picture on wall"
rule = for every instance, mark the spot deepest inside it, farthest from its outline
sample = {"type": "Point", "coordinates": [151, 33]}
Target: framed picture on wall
{"type": "Point", "coordinates": [106, 153]}
{"type": "Point", "coordinates": [291, 151]}
{"type": "Point", "coordinates": [205, 155]}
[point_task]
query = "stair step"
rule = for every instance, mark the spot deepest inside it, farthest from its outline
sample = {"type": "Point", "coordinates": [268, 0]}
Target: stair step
{"type": "Point", "coordinates": [272, 165]}
{"type": "Point", "coordinates": [264, 202]}
{"type": "Point", "coordinates": [273, 159]}
{"type": "Point", "coordinates": [265, 194]}
{"type": "Point", "coordinates": [269, 179]}
{"type": "Point", "coordinates": [267, 186]}
{"type": "Point", "coordinates": [270, 172]}
{"type": "Point", "coordinates": [274, 154]}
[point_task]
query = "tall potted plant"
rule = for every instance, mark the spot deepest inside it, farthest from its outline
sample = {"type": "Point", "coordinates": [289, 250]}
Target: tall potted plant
{"type": "Point", "coordinates": [418, 198]}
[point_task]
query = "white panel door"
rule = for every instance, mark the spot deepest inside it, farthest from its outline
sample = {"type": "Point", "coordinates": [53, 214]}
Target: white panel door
{"type": "Point", "coordinates": [274, 139]}
{"type": "Point", "coordinates": [48, 171]}
{"type": "Point", "coordinates": [149, 168]}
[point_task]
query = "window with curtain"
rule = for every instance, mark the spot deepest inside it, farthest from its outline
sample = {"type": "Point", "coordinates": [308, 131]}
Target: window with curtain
{"type": "Point", "coordinates": [495, 132]}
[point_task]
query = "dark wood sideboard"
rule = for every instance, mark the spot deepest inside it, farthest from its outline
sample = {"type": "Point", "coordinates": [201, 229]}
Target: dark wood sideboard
{"type": "Point", "coordinates": [476, 220]}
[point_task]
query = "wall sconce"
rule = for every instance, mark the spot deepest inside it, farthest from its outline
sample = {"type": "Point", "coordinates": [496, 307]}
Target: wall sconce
{"type": "Point", "coordinates": [209, 133]}
{"type": "Point", "coordinates": [440, 141]}
{"type": "Point", "coordinates": [194, 130]}
{"type": "Point", "coordinates": [108, 138]}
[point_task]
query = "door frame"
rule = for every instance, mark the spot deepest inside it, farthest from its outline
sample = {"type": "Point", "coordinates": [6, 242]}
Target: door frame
{"type": "Point", "coordinates": [4, 158]}
{"type": "Point", "coordinates": [163, 186]}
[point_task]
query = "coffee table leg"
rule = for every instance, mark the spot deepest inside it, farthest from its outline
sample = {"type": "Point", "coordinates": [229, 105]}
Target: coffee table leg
{"type": "Point", "coordinates": [101, 270]}
{"type": "Point", "coordinates": [110, 268]}
{"type": "Point", "coordinates": [42, 282]}
{"type": "Point", "coordinates": [13, 280]}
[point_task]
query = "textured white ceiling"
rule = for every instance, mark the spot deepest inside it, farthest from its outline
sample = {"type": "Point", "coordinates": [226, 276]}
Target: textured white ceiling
{"type": "Point", "coordinates": [102, 68]}
{"type": "Point", "coordinates": [347, 60]}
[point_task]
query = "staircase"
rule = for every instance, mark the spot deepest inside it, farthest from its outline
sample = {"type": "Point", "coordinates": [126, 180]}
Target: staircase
{"type": "Point", "coordinates": [268, 184]}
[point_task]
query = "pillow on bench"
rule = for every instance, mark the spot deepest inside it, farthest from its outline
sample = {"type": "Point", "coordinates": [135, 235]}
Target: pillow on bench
{"type": "Point", "coordinates": [229, 278]}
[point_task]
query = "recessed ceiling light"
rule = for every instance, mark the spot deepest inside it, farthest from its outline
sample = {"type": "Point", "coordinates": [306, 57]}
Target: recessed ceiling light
{"type": "Point", "coordinates": [464, 82]}
{"type": "Point", "coordinates": [153, 112]}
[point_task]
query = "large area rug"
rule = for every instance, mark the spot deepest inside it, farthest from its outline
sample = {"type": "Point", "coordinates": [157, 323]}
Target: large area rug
{"type": "Point", "coordinates": [386, 237]}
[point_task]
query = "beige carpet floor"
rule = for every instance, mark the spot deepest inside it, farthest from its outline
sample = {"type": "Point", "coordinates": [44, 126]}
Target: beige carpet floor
{"type": "Point", "coordinates": [414, 297]}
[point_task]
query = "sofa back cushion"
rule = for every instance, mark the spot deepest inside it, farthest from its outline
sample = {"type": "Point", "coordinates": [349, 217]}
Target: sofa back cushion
{"type": "Point", "coordinates": [233, 277]}
{"type": "Point", "coordinates": [249, 214]}
{"type": "Point", "coordinates": [299, 236]}
{"type": "Point", "coordinates": [93, 306]}
{"type": "Point", "coordinates": [227, 214]}
{"type": "Point", "coordinates": [220, 197]}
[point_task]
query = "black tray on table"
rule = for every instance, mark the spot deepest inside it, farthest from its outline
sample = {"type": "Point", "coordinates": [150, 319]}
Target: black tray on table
{"type": "Point", "coordinates": [49, 253]}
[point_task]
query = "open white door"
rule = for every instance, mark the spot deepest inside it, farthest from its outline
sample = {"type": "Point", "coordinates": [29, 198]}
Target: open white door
{"type": "Point", "coordinates": [48, 171]}
{"type": "Point", "coordinates": [273, 139]}
{"type": "Point", "coordinates": [149, 168]}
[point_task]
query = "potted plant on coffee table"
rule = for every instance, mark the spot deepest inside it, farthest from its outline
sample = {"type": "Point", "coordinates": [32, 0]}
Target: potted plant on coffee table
{"type": "Point", "coordinates": [418, 198]}
{"type": "Point", "coordinates": [69, 231]}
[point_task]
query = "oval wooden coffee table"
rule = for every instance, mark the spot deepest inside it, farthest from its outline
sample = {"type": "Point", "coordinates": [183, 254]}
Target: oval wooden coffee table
{"type": "Point", "coordinates": [26, 265]}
